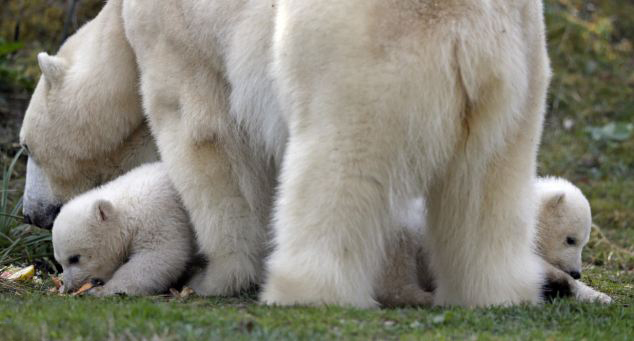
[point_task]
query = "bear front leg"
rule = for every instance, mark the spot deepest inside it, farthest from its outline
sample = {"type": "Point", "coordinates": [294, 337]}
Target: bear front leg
{"type": "Point", "coordinates": [561, 284]}
{"type": "Point", "coordinates": [145, 273]}
{"type": "Point", "coordinates": [228, 232]}
{"type": "Point", "coordinates": [329, 227]}
{"type": "Point", "coordinates": [585, 293]}
{"type": "Point", "coordinates": [187, 108]}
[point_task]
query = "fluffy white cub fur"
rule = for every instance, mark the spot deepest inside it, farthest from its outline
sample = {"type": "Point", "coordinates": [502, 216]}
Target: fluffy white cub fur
{"type": "Point", "coordinates": [564, 224]}
{"type": "Point", "coordinates": [563, 229]}
{"type": "Point", "coordinates": [317, 113]}
{"type": "Point", "coordinates": [131, 234]}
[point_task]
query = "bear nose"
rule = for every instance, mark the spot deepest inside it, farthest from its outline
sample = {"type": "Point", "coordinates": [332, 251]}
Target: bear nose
{"type": "Point", "coordinates": [43, 219]}
{"type": "Point", "coordinates": [575, 274]}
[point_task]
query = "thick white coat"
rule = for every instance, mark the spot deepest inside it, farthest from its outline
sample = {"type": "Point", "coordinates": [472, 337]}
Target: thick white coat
{"type": "Point", "coordinates": [131, 233]}
{"type": "Point", "coordinates": [564, 224]}
{"type": "Point", "coordinates": [361, 105]}
{"type": "Point", "coordinates": [84, 124]}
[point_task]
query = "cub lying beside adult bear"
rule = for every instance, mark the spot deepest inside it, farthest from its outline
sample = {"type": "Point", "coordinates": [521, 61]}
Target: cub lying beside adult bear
{"type": "Point", "coordinates": [133, 235]}
{"type": "Point", "coordinates": [320, 116]}
{"type": "Point", "coordinates": [564, 225]}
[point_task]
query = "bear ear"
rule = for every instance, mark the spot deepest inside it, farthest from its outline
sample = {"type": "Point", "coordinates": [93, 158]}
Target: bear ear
{"type": "Point", "coordinates": [103, 210]}
{"type": "Point", "coordinates": [556, 199]}
{"type": "Point", "coordinates": [53, 68]}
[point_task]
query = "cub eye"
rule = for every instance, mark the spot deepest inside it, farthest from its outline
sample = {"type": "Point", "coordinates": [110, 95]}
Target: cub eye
{"type": "Point", "coordinates": [73, 259]}
{"type": "Point", "coordinates": [571, 241]}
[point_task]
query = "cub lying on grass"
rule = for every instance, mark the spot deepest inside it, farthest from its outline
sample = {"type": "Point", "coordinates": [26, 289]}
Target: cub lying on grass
{"type": "Point", "coordinates": [134, 235]}
{"type": "Point", "coordinates": [131, 234]}
{"type": "Point", "coordinates": [564, 224]}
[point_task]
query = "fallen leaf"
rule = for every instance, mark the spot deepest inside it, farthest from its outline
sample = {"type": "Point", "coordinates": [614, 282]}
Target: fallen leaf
{"type": "Point", "coordinates": [186, 292]}
{"type": "Point", "coordinates": [24, 274]}
{"type": "Point", "coordinates": [83, 289]}
{"type": "Point", "coordinates": [57, 282]}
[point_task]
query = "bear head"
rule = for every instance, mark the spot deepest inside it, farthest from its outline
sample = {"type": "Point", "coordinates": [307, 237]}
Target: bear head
{"type": "Point", "coordinates": [88, 241]}
{"type": "Point", "coordinates": [84, 124]}
{"type": "Point", "coordinates": [565, 222]}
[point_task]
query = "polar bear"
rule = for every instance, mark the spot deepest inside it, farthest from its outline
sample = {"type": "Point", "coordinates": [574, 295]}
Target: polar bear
{"type": "Point", "coordinates": [564, 224]}
{"type": "Point", "coordinates": [132, 234]}
{"type": "Point", "coordinates": [321, 116]}
{"type": "Point", "coordinates": [380, 101]}
{"type": "Point", "coordinates": [84, 124]}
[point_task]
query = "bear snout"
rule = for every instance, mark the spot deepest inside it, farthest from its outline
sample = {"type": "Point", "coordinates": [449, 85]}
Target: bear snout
{"type": "Point", "coordinates": [42, 218]}
{"type": "Point", "coordinates": [575, 274]}
{"type": "Point", "coordinates": [97, 282]}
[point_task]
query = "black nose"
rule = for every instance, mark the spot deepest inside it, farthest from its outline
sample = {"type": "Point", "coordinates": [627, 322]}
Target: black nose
{"type": "Point", "coordinates": [97, 282]}
{"type": "Point", "coordinates": [44, 218]}
{"type": "Point", "coordinates": [575, 274]}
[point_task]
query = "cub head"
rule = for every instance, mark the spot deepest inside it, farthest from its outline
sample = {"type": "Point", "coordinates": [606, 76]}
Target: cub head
{"type": "Point", "coordinates": [87, 242]}
{"type": "Point", "coordinates": [84, 124]}
{"type": "Point", "coordinates": [565, 221]}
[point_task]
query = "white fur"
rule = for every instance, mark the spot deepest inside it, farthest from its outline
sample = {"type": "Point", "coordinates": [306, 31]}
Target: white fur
{"type": "Point", "coordinates": [564, 212]}
{"type": "Point", "coordinates": [360, 105]}
{"type": "Point", "coordinates": [84, 124]}
{"type": "Point", "coordinates": [131, 233]}
{"type": "Point", "coordinates": [584, 293]}
{"type": "Point", "coordinates": [443, 99]}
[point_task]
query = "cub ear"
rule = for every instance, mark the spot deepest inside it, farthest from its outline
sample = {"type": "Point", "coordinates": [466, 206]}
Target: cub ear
{"type": "Point", "coordinates": [53, 68]}
{"type": "Point", "coordinates": [103, 210]}
{"type": "Point", "coordinates": [556, 199]}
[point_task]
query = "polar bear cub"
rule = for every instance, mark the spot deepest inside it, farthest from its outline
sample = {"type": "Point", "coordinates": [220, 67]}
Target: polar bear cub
{"type": "Point", "coordinates": [131, 234]}
{"type": "Point", "coordinates": [563, 229]}
{"type": "Point", "coordinates": [564, 224]}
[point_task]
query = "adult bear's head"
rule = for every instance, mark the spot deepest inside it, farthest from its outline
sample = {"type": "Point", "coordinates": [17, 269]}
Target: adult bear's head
{"type": "Point", "coordinates": [84, 124]}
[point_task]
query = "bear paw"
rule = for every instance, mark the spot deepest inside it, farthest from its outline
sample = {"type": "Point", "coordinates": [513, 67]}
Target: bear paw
{"type": "Point", "coordinates": [585, 293]}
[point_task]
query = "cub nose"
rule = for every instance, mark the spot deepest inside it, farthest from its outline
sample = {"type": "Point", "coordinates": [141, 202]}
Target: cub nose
{"type": "Point", "coordinates": [575, 274]}
{"type": "Point", "coordinates": [97, 282]}
{"type": "Point", "coordinates": [27, 219]}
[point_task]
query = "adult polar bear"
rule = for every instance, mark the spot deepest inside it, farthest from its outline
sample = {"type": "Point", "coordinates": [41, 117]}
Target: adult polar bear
{"type": "Point", "coordinates": [381, 102]}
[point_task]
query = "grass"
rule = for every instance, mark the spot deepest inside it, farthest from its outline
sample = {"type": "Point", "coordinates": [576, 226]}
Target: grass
{"type": "Point", "coordinates": [19, 243]}
{"type": "Point", "coordinates": [588, 139]}
{"type": "Point", "coordinates": [37, 316]}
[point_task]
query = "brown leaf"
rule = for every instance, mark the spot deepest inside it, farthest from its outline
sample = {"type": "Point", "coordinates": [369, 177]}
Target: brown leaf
{"type": "Point", "coordinates": [57, 282]}
{"type": "Point", "coordinates": [186, 292]}
{"type": "Point", "coordinates": [83, 289]}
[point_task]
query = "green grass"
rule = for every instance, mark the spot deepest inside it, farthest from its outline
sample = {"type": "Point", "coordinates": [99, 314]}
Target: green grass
{"type": "Point", "coordinates": [19, 243]}
{"type": "Point", "coordinates": [588, 139]}
{"type": "Point", "coordinates": [36, 316]}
